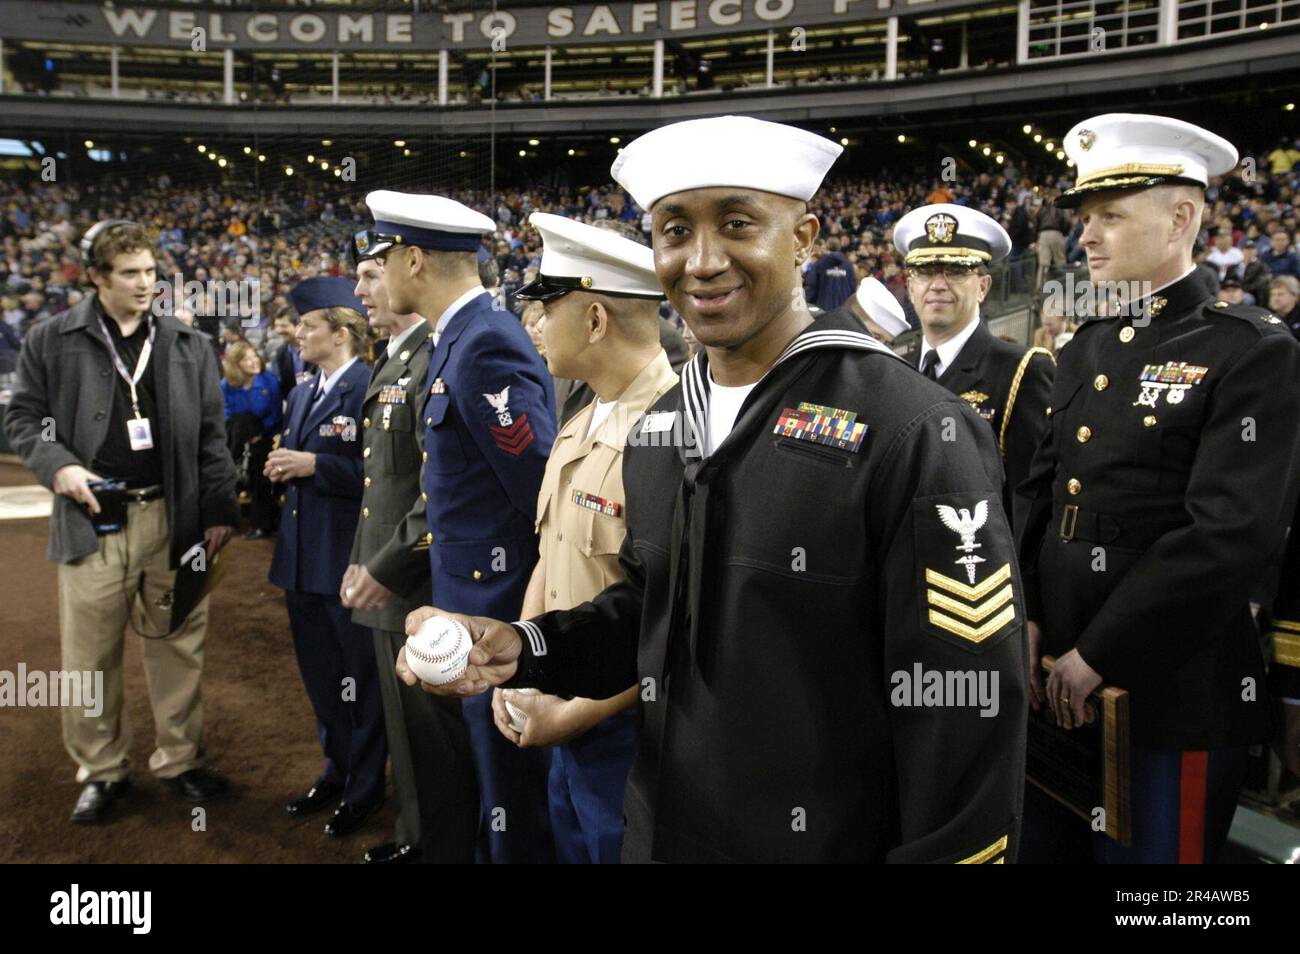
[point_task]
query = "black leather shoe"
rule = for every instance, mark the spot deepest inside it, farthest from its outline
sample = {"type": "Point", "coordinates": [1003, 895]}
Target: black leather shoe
{"type": "Point", "coordinates": [393, 854]}
{"type": "Point", "coordinates": [96, 798]}
{"type": "Point", "coordinates": [347, 819]}
{"type": "Point", "coordinates": [322, 795]}
{"type": "Point", "coordinates": [196, 785]}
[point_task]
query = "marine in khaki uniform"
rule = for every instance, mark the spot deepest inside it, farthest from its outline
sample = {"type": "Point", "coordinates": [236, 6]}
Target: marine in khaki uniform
{"type": "Point", "coordinates": [388, 576]}
{"type": "Point", "coordinates": [601, 327]}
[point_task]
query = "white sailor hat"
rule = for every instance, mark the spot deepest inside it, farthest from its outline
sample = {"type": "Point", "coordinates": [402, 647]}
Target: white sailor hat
{"type": "Point", "coordinates": [737, 151]}
{"type": "Point", "coordinates": [881, 306]}
{"type": "Point", "coordinates": [576, 256]}
{"type": "Point", "coordinates": [1136, 151]}
{"type": "Point", "coordinates": [428, 221]}
{"type": "Point", "coordinates": [951, 235]}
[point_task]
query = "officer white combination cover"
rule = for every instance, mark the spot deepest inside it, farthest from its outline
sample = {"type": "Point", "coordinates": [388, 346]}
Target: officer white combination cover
{"type": "Point", "coordinates": [737, 151]}
{"type": "Point", "coordinates": [951, 234]}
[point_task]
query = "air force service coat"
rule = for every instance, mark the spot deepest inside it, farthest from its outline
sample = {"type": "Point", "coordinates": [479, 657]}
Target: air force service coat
{"type": "Point", "coordinates": [489, 422]}
{"type": "Point", "coordinates": [320, 512]}
{"type": "Point", "coordinates": [784, 604]}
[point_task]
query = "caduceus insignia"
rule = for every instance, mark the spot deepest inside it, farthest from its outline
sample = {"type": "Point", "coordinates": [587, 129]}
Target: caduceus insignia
{"type": "Point", "coordinates": [965, 524]}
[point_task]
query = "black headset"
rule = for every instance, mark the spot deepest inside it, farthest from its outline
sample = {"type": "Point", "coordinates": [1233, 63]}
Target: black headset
{"type": "Point", "coordinates": [92, 235]}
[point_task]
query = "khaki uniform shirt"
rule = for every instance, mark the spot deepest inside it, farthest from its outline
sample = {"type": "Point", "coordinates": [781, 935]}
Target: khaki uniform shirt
{"type": "Point", "coordinates": [581, 519]}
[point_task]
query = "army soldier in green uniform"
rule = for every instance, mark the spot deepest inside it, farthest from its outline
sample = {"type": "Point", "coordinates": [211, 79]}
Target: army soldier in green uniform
{"type": "Point", "coordinates": [388, 576]}
{"type": "Point", "coordinates": [816, 577]}
{"type": "Point", "coordinates": [1165, 482]}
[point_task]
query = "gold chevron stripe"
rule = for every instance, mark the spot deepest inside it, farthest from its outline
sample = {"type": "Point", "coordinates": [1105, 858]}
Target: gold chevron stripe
{"type": "Point", "coordinates": [1289, 625]}
{"type": "Point", "coordinates": [1286, 648]}
{"type": "Point", "coordinates": [972, 614]}
{"type": "Point", "coordinates": [971, 593]}
{"type": "Point", "coordinates": [982, 857]}
{"type": "Point", "coordinates": [969, 633]}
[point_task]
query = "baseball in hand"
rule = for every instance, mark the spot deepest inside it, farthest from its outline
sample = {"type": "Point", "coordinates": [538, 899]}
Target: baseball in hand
{"type": "Point", "coordinates": [517, 715]}
{"type": "Point", "coordinates": [438, 651]}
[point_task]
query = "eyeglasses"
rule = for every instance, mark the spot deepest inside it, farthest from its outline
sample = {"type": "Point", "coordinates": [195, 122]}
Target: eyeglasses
{"type": "Point", "coordinates": [954, 273]}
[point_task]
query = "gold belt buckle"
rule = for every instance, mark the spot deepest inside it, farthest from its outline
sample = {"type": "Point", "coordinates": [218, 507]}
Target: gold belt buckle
{"type": "Point", "coordinates": [1069, 520]}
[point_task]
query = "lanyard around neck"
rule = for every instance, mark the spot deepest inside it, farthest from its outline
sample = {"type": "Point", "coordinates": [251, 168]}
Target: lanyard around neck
{"type": "Point", "coordinates": [131, 379]}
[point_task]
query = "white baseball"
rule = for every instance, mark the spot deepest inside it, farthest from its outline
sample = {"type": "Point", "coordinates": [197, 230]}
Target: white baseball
{"type": "Point", "coordinates": [518, 717]}
{"type": "Point", "coordinates": [438, 651]}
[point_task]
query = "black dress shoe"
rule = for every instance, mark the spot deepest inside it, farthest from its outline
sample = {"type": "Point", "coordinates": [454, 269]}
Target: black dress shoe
{"type": "Point", "coordinates": [196, 785]}
{"type": "Point", "coordinates": [393, 854]}
{"type": "Point", "coordinates": [96, 798]}
{"type": "Point", "coordinates": [348, 818]}
{"type": "Point", "coordinates": [322, 795]}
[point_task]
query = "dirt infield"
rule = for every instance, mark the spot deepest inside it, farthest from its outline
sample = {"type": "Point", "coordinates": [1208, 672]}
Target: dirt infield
{"type": "Point", "coordinates": [258, 730]}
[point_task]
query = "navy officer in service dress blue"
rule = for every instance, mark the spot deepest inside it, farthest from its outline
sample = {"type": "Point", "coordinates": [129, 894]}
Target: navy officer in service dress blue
{"type": "Point", "coordinates": [319, 463]}
{"type": "Point", "coordinates": [489, 419]}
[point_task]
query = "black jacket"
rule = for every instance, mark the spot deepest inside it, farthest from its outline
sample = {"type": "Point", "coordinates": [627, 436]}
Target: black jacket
{"type": "Point", "coordinates": [777, 595]}
{"type": "Point", "coordinates": [1010, 386]}
{"type": "Point", "coordinates": [1155, 503]}
{"type": "Point", "coordinates": [66, 376]}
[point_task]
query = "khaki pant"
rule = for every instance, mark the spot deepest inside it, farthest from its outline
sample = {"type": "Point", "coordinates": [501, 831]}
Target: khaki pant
{"type": "Point", "coordinates": [98, 593]}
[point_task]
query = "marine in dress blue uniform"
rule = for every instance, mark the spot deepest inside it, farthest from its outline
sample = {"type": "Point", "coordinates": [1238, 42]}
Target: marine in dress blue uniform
{"type": "Point", "coordinates": [311, 554]}
{"type": "Point", "coordinates": [489, 416]}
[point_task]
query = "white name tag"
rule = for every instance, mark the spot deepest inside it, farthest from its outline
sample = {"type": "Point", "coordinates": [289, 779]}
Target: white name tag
{"type": "Point", "coordinates": [658, 421]}
{"type": "Point", "coordinates": [141, 435]}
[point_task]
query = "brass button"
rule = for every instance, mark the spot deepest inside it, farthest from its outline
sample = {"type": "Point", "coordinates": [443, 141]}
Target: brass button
{"type": "Point", "coordinates": [1149, 421]}
{"type": "Point", "coordinates": [365, 512]}
{"type": "Point", "coordinates": [1048, 412]}
{"type": "Point", "coordinates": [478, 574]}
{"type": "Point", "coordinates": [1220, 304]}
{"type": "Point", "coordinates": [425, 456]}
{"type": "Point", "coordinates": [365, 422]}
{"type": "Point", "coordinates": [1084, 434]}
{"type": "Point", "coordinates": [428, 421]}
{"type": "Point", "coordinates": [1126, 335]}
{"type": "Point", "coordinates": [295, 511]}
{"type": "Point", "coordinates": [366, 452]}
{"type": "Point", "coordinates": [1074, 486]}
{"type": "Point", "coordinates": [428, 538]}
{"type": "Point", "coordinates": [366, 482]}
{"type": "Point", "coordinates": [424, 496]}
{"type": "Point", "coordinates": [1101, 382]}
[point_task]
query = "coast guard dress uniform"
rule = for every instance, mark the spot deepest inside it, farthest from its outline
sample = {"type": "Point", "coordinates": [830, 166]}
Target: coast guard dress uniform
{"type": "Point", "coordinates": [784, 589]}
{"type": "Point", "coordinates": [489, 421]}
{"type": "Point", "coordinates": [581, 522]}
{"type": "Point", "coordinates": [1007, 384]}
{"type": "Point", "coordinates": [317, 525]}
{"type": "Point", "coordinates": [428, 744]}
{"type": "Point", "coordinates": [1172, 454]}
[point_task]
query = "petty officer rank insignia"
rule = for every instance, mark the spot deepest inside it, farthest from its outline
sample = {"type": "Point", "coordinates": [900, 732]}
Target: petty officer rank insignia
{"type": "Point", "coordinates": [599, 504]}
{"type": "Point", "coordinates": [510, 435]}
{"type": "Point", "coordinates": [1172, 379]}
{"type": "Point", "coordinates": [969, 583]}
{"type": "Point", "coordinates": [344, 427]}
{"type": "Point", "coordinates": [818, 424]}
{"type": "Point", "coordinates": [976, 399]}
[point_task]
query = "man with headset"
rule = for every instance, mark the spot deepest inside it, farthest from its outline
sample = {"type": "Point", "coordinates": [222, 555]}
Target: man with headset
{"type": "Point", "coordinates": [118, 410]}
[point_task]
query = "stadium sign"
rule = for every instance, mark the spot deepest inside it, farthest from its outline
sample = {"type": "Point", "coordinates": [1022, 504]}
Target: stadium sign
{"type": "Point", "coordinates": [375, 30]}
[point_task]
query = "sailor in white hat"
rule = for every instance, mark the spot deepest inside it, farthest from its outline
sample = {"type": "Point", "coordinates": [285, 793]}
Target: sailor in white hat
{"type": "Point", "coordinates": [947, 250]}
{"type": "Point", "coordinates": [876, 307]}
{"type": "Point", "coordinates": [1152, 456]}
{"type": "Point", "coordinates": [601, 327]}
{"type": "Point", "coordinates": [786, 504]}
{"type": "Point", "coordinates": [489, 422]}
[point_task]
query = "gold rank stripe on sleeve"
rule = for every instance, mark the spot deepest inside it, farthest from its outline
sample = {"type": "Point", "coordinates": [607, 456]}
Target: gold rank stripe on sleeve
{"type": "Point", "coordinates": [1286, 643]}
{"type": "Point", "coordinates": [983, 856]}
{"type": "Point", "coordinates": [974, 623]}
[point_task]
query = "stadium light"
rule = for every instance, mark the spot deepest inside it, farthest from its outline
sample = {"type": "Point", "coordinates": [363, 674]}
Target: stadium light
{"type": "Point", "coordinates": [221, 163]}
{"type": "Point", "coordinates": [261, 158]}
{"type": "Point", "coordinates": [1038, 137]}
{"type": "Point", "coordinates": [522, 153]}
{"type": "Point", "coordinates": [337, 171]}
{"type": "Point", "coordinates": [1049, 146]}
{"type": "Point", "coordinates": [327, 142]}
{"type": "Point", "coordinates": [90, 144]}
{"type": "Point", "coordinates": [203, 148]}
{"type": "Point", "coordinates": [324, 165]}
{"type": "Point", "coordinates": [248, 150]}
{"type": "Point", "coordinates": [1027, 129]}
{"type": "Point", "coordinates": [972, 143]}
{"type": "Point", "coordinates": [212, 156]}
{"type": "Point", "coordinates": [1289, 107]}
{"type": "Point", "coordinates": [844, 140]}
{"type": "Point", "coordinates": [832, 130]}
{"type": "Point", "coordinates": [614, 141]}
{"type": "Point", "coordinates": [399, 143]}
{"type": "Point", "coordinates": [406, 152]}
{"type": "Point", "coordinates": [902, 138]}
{"type": "Point", "coordinates": [288, 170]}
{"type": "Point", "coordinates": [572, 152]}
{"type": "Point", "coordinates": [999, 158]}
{"type": "Point", "coordinates": [534, 142]}
{"type": "Point", "coordinates": [310, 158]}
{"type": "Point", "coordinates": [987, 150]}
